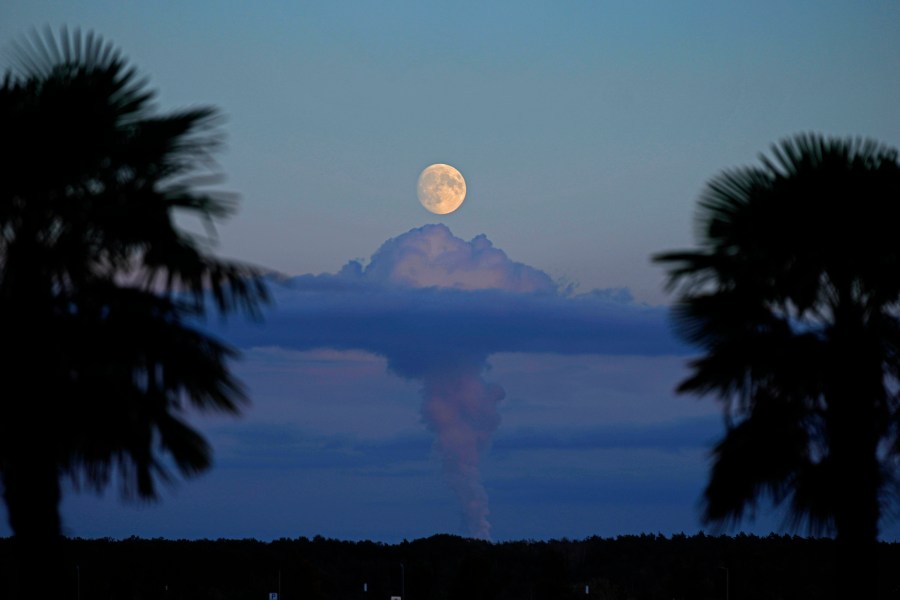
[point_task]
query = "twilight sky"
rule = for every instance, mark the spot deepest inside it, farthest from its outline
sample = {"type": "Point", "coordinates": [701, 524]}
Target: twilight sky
{"type": "Point", "coordinates": [506, 369]}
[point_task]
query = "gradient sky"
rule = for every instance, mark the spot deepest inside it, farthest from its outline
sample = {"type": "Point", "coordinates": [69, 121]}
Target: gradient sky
{"type": "Point", "coordinates": [585, 131]}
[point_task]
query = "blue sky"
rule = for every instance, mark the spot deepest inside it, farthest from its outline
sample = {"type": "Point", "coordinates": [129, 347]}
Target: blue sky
{"type": "Point", "coordinates": [585, 131]}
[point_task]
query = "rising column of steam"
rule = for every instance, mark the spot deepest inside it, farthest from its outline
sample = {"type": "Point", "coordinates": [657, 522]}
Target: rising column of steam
{"type": "Point", "coordinates": [460, 408]}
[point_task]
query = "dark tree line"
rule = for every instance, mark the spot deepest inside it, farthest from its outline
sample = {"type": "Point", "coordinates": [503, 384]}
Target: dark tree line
{"type": "Point", "coordinates": [443, 567]}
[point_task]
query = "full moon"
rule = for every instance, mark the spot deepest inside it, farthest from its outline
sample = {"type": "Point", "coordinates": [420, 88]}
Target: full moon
{"type": "Point", "coordinates": [441, 189]}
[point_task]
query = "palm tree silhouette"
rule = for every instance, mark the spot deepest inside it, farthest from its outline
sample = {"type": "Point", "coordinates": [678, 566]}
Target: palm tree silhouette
{"type": "Point", "coordinates": [793, 296]}
{"type": "Point", "coordinates": [100, 291]}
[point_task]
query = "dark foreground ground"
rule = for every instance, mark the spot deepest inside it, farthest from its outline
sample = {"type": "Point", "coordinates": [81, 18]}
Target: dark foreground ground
{"type": "Point", "coordinates": [449, 567]}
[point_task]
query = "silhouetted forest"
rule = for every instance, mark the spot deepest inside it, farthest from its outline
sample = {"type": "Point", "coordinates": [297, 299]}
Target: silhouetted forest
{"type": "Point", "coordinates": [450, 567]}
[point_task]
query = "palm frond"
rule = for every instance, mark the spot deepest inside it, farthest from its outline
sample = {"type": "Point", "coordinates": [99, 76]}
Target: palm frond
{"type": "Point", "coordinates": [91, 251]}
{"type": "Point", "coordinates": [760, 456]}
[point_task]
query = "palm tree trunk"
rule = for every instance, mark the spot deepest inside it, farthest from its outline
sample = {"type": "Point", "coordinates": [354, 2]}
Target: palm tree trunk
{"type": "Point", "coordinates": [856, 517]}
{"type": "Point", "coordinates": [31, 492]}
{"type": "Point", "coordinates": [856, 520]}
{"type": "Point", "coordinates": [33, 426]}
{"type": "Point", "coordinates": [855, 391]}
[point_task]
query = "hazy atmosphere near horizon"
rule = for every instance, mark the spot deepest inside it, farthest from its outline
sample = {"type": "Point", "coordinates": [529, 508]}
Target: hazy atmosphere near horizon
{"type": "Point", "coordinates": [585, 132]}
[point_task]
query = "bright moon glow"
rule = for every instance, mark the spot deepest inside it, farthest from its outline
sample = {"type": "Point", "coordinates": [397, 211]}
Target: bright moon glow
{"type": "Point", "coordinates": [441, 189]}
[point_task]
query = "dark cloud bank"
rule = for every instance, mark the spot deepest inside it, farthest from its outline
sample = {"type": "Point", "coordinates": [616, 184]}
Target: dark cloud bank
{"type": "Point", "coordinates": [436, 307]}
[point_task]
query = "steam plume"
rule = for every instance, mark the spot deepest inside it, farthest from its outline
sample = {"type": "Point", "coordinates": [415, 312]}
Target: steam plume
{"type": "Point", "coordinates": [461, 409]}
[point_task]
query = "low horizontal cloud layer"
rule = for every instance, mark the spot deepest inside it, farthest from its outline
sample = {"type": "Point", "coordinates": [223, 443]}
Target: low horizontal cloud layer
{"type": "Point", "coordinates": [243, 446]}
{"type": "Point", "coordinates": [400, 308]}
